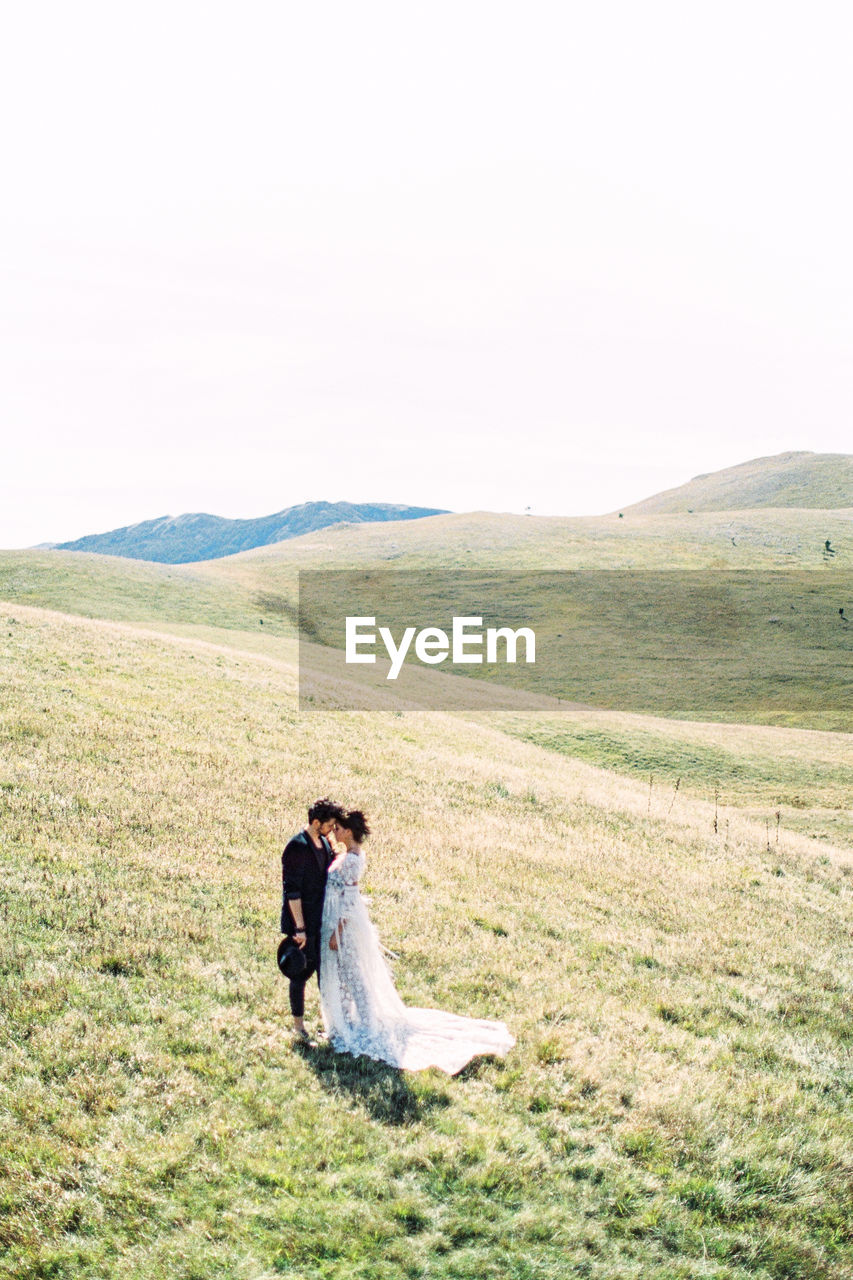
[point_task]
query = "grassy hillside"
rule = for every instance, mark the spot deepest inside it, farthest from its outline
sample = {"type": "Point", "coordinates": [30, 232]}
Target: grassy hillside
{"type": "Point", "coordinates": [96, 586]}
{"type": "Point", "coordinates": [794, 670]}
{"type": "Point", "coordinates": [716, 540]}
{"type": "Point", "coordinates": [754, 647]}
{"type": "Point", "coordinates": [679, 1100]}
{"type": "Point", "coordinates": [792, 779]}
{"type": "Point", "coordinates": [816, 480]}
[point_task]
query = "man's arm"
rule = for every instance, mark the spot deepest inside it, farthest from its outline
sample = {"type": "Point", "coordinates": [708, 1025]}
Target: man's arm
{"type": "Point", "coordinates": [292, 876]}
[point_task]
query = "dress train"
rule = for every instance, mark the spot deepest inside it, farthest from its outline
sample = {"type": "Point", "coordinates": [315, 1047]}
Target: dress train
{"type": "Point", "coordinates": [362, 1012]}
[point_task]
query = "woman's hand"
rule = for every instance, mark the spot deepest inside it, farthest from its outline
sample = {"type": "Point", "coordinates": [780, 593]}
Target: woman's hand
{"type": "Point", "coordinates": [338, 933]}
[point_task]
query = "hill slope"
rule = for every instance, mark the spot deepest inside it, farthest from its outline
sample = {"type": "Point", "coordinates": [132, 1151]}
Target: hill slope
{"type": "Point", "coordinates": [676, 1105]}
{"type": "Point", "coordinates": [198, 536]}
{"type": "Point", "coordinates": [780, 538]}
{"type": "Point", "coordinates": [821, 481]}
{"type": "Point", "coordinates": [752, 645]}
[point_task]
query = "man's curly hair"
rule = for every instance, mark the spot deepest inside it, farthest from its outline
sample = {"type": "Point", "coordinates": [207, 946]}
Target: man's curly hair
{"type": "Point", "coordinates": [325, 810]}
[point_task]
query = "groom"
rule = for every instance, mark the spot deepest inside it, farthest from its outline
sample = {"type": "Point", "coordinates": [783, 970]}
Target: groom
{"type": "Point", "coordinates": [304, 866]}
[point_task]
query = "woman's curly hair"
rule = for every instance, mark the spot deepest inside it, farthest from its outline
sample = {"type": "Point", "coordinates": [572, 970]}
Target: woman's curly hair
{"type": "Point", "coordinates": [355, 822]}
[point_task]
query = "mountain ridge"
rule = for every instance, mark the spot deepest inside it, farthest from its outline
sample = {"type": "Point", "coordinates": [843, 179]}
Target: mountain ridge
{"type": "Point", "coordinates": [198, 535]}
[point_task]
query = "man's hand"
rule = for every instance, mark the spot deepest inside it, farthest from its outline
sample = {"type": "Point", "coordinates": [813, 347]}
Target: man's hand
{"type": "Point", "coordinates": [299, 938]}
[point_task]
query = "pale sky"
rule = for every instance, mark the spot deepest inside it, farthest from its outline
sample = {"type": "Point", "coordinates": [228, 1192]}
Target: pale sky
{"type": "Point", "coordinates": [467, 255]}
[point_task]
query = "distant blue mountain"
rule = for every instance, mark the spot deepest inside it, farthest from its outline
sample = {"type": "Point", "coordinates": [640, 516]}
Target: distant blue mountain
{"type": "Point", "coordinates": [183, 539]}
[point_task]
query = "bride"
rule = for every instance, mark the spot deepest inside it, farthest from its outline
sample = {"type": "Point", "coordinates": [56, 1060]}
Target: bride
{"type": "Point", "coordinates": [362, 1012]}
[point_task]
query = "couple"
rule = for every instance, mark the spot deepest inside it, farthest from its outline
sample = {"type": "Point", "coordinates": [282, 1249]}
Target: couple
{"type": "Point", "coordinates": [325, 916]}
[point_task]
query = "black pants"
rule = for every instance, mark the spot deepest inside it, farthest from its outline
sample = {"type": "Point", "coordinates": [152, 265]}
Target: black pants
{"type": "Point", "coordinates": [297, 985]}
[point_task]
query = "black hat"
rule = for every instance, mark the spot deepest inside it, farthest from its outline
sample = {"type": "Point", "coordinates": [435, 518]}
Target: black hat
{"type": "Point", "coordinates": [291, 958]}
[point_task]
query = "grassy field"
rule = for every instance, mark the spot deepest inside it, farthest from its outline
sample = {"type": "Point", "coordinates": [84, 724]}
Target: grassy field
{"type": "Point", "coordinates": [750, 646]}
{"type": "Point", "coordinates": [679, 1100]}
{"type": "Point", "coordinates": [768, 539]}
{"type": "Point", "coordinates": [131, 591]}
{"type": "Point", "coordinates": [797, 779]}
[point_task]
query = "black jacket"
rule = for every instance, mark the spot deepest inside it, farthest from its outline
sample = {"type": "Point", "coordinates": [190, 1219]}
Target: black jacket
{"type": "Point", "coordinates": [304, 868]}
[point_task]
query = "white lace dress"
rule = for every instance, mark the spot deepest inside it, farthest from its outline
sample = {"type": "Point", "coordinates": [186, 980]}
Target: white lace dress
{"type": "Point", "coordinates": [362, 1012]}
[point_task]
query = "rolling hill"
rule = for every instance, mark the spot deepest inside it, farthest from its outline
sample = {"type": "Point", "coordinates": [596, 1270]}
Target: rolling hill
{"type": "Point", "coordinates": [821, 481]}
{"type": "Point", "coordinates": [805, 482]}
{"type": "Point", "coordinates": [789, 538]}
{"type": "Point", "coordinates": [747, 643]}
{"type": "Point", "coordinates": [198, 536]}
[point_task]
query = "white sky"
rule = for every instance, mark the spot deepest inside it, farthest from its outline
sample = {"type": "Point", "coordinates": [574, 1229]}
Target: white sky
{"type": "Point", "coordinates": [470, 255]}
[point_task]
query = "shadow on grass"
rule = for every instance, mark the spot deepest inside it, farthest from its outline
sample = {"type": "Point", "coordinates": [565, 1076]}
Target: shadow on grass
{"type": "Point", "coordinates": [391, 1096]}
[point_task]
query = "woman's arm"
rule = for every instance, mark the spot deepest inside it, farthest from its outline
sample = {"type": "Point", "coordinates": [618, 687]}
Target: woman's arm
{"type": "Point", "coordinates": [337, 934]}
{"type": "Point", "coordinates": [351, 879]}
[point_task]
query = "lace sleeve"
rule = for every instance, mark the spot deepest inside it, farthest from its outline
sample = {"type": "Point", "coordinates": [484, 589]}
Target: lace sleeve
{"type": "Point", "coordinates": [331, 909]}
{"type": "Point", "coordinates": [350, 869]}
{"type": "Point", "coordinates": [341, 890]}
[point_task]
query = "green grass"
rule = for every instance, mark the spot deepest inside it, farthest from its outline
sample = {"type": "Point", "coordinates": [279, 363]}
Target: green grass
{"type": "Point", "coordinates": [806, 787]}
{"type": "Point", "coordinates": [748, 646]}
{"type": "Point", "coordinates": [679, 1100]}
{"type": "Point", "coordinates": [760, 539]}
{"type": "Point", "coordinates": [94, 586]}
